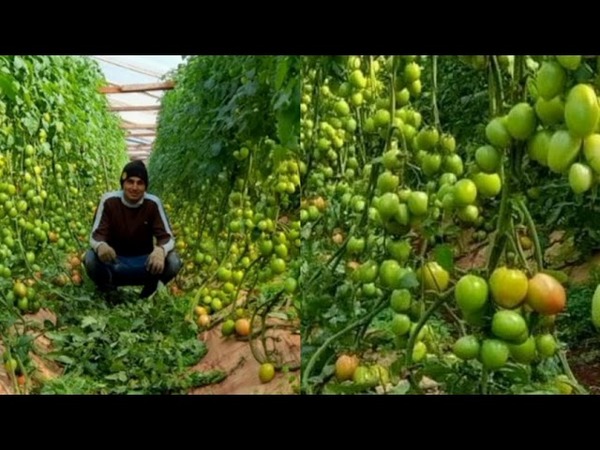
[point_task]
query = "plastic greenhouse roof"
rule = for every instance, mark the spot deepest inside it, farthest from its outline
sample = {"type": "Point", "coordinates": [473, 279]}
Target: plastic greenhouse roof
{"type": "Point", "coordinates": [136, 86]}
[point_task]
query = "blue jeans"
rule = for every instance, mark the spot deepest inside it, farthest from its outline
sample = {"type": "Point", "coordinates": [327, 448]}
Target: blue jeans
{"type": "Point", "coordinates": [128, 270]}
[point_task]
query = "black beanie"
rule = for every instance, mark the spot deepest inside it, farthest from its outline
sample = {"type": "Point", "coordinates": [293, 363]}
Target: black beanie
{"type": "Point", "coordinates": [135, 169]}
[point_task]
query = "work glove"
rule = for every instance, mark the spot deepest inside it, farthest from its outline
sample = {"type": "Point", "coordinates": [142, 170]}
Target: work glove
{"type": "Point", "coordinates": [156, 261]}
{"type": "Point", "coordinates": [106, 253]}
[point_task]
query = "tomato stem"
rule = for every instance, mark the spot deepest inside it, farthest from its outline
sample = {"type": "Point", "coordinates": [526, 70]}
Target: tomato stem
{"type": "Point", "coordinates": [267, 305]}
{"type": "Point", "coordinates": [23, 252]}
{"type": "Point", "coordinates": [247, 177]}
{"type": "Point", "coordinates": [313, 359]}
{"type": "Point", "coordinates": [484, 381]}
{"type": "Point", "coordinates": [517, 170]}
{"type": "Point", "coordinates": [531, 225]}
{"type": "Point", "coordinates": [202, 218]}
{"type": "Point", "coordinates": [333, 259]}
{"type": "Point", "coordinates": [503, 214]}
{"type": "Point", "coordinates": [239, 287]}
{"type": "Point", "coordinates": [563, 360]}
{"type": "Point", "coordinates": [518, 84]}
{"type": "Point", "coordinates": [390, 128]}
{"type": "Point", "coordinates": [11, 372]}
{"type": "Point", "coordinates": [105, 170]}
{"type": "Point", "coordinates": [361, 139]}
{"type": "Point", "coordinates": [317, 83]}
{"type": "Point", "coordinates": [434, 106]}
{"type": "Point", "coordinates": [491, 94]}
{"type": "Point", "coordinates": [392, 96]}
{"type": "Point", "coordinates": [499, 90]}
{"type": "Point", "coordinates": [460, 323]}
{"type": "Point", "coordinates": [442, 297]}
{"type": "Point", "coordinates": [514, 239]}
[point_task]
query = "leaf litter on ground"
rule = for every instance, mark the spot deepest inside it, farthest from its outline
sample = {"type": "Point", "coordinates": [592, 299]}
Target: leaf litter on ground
{"type": "Point", "coordinates": [134, 347]}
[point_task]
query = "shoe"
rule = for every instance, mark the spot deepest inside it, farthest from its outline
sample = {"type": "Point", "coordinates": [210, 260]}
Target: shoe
{"type": "Point", "coordinates": [110, 294]}
{"type": "Point", "coordinates": [149, 289]}
{"type": "Point", "coordinates": [112, 297]}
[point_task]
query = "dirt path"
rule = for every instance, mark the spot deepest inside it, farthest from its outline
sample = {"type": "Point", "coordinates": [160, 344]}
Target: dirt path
{"type": "Point", "coordinates": [585, 364]}
{"type": "Point", "coordinates": [235, 358]}
{"type": "Point", "coordinates": [45, 369]}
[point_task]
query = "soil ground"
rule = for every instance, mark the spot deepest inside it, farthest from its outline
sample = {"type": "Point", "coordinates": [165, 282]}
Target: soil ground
{"type": "Point", "coordinates": [235, 358]}
{"type": "Point", "coordinates": [585, 364]}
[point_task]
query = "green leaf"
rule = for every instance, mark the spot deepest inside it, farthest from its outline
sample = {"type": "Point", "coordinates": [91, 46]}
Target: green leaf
{"type": "Point", "coordinates": [24, 340]}
{"type": "Point", "coordinates": [555, 212]}
{"type": "Point", "coordinates": [584, 73]}
{"type": "Point", "coordinates": [88, 321]}
{"type": "Point", "coordinates": [119, 376]}
{"type": "Point", "coordinates": [286, 128]}
{"type": "Point", "coordinates": [138, 323]}
{"type": "Point", "coordinates": [437, 370]}
{"type": "Point", "coordinates": [279, 154]}
{"type": "Point", "coordinates": [197, 379]}
{"type": "Point", "coordinates": [282, 71]}
{"type": "Point", "coordinates": [444, 256]}
{"type": "Point", "coordinates": [401, 388]}
{"type": "Point", "coordinates": [347, 387]}
{"type": "Point", "coordinates": [278, 315]}
{"type": "Point", "coordinates": [30, 123]}
{"type": "Point", "coordinates": [209, 84]}
{"type": "Point", "coordinates": [19, 63]}
{"type": "Point", "coordinates": [94, 335]}
{"type": "Point", "coordinates": [64, 359]}
{"type": "Point", "coordinates": [282, 101]}
{"type": "Point", "coordinates": [215, 148]}
{"type": "Point", "coordinates": [511, 66]}
{"type": "Point", "coordinates": [6, 86]}
{"type": "Point", "coordinates": [397, 365]}
{"type": "Point", "coordinates": [117, 366]}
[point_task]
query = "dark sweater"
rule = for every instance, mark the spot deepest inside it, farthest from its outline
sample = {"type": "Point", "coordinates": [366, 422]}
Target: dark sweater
{"type": "Point", "coordinates": [130, 228]}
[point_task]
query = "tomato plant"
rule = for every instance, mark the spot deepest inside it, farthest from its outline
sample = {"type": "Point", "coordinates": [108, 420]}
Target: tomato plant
{"type": "Point", "coordinates": [60, 149]}
{"type": "Point", "coordinates": [237, 221]}
{"type": "Point", "coordinates": [400, 190]}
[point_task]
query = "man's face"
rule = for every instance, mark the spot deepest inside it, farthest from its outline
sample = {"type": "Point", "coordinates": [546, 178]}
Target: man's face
{"type": "Point", "coordinates": [134, 188]}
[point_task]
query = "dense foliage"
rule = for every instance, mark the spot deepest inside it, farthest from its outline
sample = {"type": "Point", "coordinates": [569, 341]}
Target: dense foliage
{"type": "Point", "coordinates": [414, 164]}
{"type": "Point", "coordinates": [60, 149]}
{"type": "Point", "coordinates": [226, 164]}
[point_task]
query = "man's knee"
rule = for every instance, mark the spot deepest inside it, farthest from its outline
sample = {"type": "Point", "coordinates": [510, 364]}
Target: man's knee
{"type": "Point", "coordinates": [90, 261]}
{"type": "Point", "coordinates": [95, 269]}
{"type": "Point", "coordinates": [173, 265]}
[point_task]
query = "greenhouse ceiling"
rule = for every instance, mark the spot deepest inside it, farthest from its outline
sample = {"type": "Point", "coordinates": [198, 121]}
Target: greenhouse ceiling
{"type": "Point", "coordinates": [136, 86]}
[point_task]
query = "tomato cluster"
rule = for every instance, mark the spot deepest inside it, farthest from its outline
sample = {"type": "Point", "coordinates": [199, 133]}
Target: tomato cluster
{"type": "Point", "coordinates": [504, 325]}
